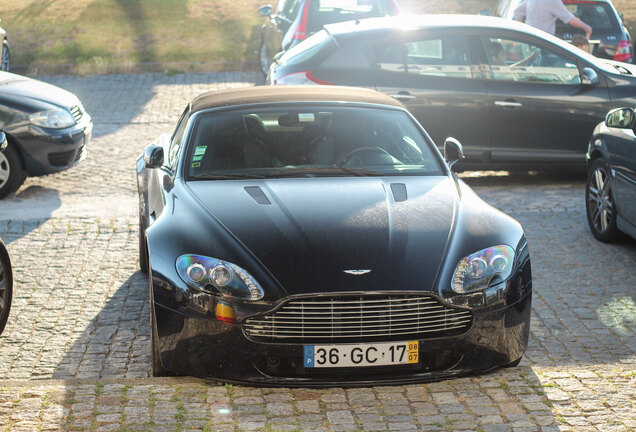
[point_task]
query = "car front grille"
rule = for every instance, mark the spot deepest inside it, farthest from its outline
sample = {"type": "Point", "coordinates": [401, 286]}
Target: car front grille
{"type": "Point", "coordinates": [62, 159]}
{"type": "Point", "coordinates": [358, 319]}
{"type": "Point", "coordinates": [77, 113]}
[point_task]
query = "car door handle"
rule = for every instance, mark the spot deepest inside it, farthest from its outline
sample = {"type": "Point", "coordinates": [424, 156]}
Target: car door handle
{"type": "Point", "coordinates": [508, 104]}
{"type": "Point", "coordinates": [402, 97]}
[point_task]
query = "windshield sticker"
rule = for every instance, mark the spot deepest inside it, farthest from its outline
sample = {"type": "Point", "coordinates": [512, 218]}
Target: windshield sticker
{"type": "Point", "coordinates": [197, 158]}
{"type": "Point", "coordinates": [196, 165]}
{"type": "Point", "coordinates": [200, 150]}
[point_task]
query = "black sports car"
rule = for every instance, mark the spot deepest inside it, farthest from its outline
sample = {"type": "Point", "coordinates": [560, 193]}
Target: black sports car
{"type": "Point", "coordinates": [46, 126]}
{"type": "Point", "coordinates": [610, 195]}
{"type": "Point", "coordinates": [6, 275]}
{"type": "Point", "coordinates": [315, 235]}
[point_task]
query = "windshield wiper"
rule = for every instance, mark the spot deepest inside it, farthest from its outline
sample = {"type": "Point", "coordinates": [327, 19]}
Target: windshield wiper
{"type": "Point", "coordinates": [228, 176]}
{"type": "Point", "coordinates": [325, 171]}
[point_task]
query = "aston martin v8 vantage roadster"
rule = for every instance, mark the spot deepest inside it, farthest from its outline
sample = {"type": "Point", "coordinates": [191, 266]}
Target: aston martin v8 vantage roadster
{"type": "Point", "coordinates": [316, 236]}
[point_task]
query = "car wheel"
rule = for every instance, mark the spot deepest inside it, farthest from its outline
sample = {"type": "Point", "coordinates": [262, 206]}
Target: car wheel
{"type": "Point", "coordinates": [6, 285]}
{"type": "Point", "coordinates": [263, 58]}
{"type": "Point", "coordinates": [5, 61]}
{"type": "Point", "coordinates": [157, 369]}
{"type": "Point", "coordinates": [11, 173]}
{"type": "Point", "coordinates": [143, 247]}
{"type": "Point", "coordinates": [514, 363]}
{"type": "Point", "coordinates": [599, 203]}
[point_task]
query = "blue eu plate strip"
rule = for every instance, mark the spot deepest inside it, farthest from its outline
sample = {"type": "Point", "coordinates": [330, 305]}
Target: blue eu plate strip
{"type": "Point", "coordinates": [309, 356]}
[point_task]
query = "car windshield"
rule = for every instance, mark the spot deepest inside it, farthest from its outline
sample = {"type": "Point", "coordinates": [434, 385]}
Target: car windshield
{"type": "Point", "coordinates": [323, 12]}
{"type": "Point", "coordinates": [308, 141]}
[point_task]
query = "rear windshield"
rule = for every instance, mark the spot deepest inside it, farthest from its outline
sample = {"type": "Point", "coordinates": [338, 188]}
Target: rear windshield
{"type": "Point", "coordinates": [600, 16]}
{"type": "Point", "coordinates": [323, 12]}
{"type": "Point", "coordinates": [308, 141]}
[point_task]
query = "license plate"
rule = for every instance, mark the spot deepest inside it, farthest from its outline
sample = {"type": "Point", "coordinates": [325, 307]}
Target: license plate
{"type": "Point", "coordinates": [361, 355]}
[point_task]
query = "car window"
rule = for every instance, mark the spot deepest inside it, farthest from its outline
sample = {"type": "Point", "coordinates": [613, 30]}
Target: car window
{"type": "Point", "coordinates": [323, 12]}
{"type": "Point", "coordinates": [514, 60]}
{"type": "Point", "coordinates": [290, 8]}
{"type": "Point", "coordinates": [315, 140]}
{"type": "Point", "coordinates": [441, 56]}
{"type": "Point", "coordinates": [177, 140]}
{"type": "Point", "coordinates": [599, 16]}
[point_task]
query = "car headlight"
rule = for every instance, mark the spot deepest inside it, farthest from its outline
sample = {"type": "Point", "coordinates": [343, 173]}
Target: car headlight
{"type": "Point", "coordinates": [212, 274]}
{"type": "Point", "coordinates": [483, 268]}
{"type": "Point", "coordinates": [53, 119]}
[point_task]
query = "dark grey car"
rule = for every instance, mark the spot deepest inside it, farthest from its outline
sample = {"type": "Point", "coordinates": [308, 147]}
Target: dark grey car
{"type": "Point", "coordinates": [515, 97]}
{"type": "Point", "coordinates": [611, 183]}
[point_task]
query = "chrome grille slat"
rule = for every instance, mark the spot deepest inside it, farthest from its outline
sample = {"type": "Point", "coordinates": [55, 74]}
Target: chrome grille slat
{"type": "Point", "coordinates": [286, 320]}
{"type": "Point", "coordinates": [365, 317]}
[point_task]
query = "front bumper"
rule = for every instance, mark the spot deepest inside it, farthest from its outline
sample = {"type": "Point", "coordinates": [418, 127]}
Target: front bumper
{"type": "Point", "coordinates": [47, 151]}
{"type": "Point", "coordinates": [205, 347]}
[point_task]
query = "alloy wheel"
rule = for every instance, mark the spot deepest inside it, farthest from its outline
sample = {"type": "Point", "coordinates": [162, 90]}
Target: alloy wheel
{"type": "Point", "coordinates": [5, 170]}
{"type": "Point", "coordinates": [600, 204]}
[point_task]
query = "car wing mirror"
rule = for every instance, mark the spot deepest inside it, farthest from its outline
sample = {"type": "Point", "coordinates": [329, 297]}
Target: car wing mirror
{"type": "Point", "coordinates": [622, 118]}
{"type": "Point", "coordinates": [153, 156]}
{"type": "Point", "coordinates": [265, 10]}
{"type": "Point", "coordinates": [3, 141]}
{"type": "Point", "coordinates": [453, 151]}
{"type": "Point", "coordinates": [589, 76]}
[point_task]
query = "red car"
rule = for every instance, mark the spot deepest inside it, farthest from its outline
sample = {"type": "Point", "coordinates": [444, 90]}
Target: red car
{"type": "Point", "coordinates": [294, 20]}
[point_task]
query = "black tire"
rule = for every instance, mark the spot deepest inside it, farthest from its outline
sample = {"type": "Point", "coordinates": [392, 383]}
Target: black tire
{"type": "Point", "coordinates": [157, 368]}
{"type": "Point", "coordinates": [263, 58]}
{"type": "Point", "coordinates": [599, 203]}
{"type": "Point", "coordinates": [12, 174]}
{"type": "Point", "coordinates": [5, 60]}
{"type": "Point", "coordinates": [6, 285]}
{"type": "Point", "coordinates": [143, 247]}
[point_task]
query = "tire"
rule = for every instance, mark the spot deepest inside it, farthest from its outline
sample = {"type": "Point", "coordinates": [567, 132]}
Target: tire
{"type": "Point", "coordinates": [5, 60]}
{"type": "Point", "coordinates": [263, 58]}
{"type": "Point", "coordinates": [157, 368]}
{"type": "Point", "coordinates": [514, 363]}
{"type": "Point", "coordinates": [6, 285]}
{"type": "Point", "coordinates": [143, 247]}
{"type": "Point", "coordinates": [12, 174]}
{"type": "Point", "coordinates": [599, 203]}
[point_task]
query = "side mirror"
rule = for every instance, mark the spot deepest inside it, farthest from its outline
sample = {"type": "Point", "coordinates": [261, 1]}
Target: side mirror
{"type": "Point", "coordinates": [3, 141]}
{"type": "Point", "coordinates": [622, 118]}
{"type": "Point", "coordinates": [153, 156]}
{"type": "Point", "coordinates": [265, 10]}
{"type": "Point", "coordinates": [453, 151]}
{"type": "Point", "coordinates": [589, 76]}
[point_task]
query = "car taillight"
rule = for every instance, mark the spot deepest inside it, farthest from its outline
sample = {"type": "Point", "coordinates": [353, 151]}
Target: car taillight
{"type": "Point", "coordinates": [301, 78]}
{"type": "Point", "coordinates": [623, 51]}
{"type": "Point", "coordinates": [301, 30]}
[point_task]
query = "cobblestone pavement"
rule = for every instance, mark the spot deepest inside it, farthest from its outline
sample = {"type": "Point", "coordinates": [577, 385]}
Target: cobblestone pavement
{"type": "Point", "coordinates": [75, 353]}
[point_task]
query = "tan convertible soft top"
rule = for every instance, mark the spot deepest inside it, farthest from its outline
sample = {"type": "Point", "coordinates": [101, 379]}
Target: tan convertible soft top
{"type": "Point", "coordinates": [278, 94]}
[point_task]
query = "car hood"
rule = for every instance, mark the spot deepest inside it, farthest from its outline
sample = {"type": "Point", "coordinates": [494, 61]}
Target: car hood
{"type": "Point", "coordinates": [17, 86]}
{"type": "Point", "coordinates": [340, 234]}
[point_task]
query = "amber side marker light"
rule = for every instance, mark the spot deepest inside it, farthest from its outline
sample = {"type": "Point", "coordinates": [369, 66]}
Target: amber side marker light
{"type": "Point", "coordinates": [225, 312]}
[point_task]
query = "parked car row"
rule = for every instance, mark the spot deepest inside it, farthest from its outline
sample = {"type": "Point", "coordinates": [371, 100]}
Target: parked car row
{"type": "Point", "coordinates": [515, 97]}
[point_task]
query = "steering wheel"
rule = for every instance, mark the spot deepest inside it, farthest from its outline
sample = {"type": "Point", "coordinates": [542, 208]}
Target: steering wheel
{"type": "Point", "coordinates": [344, 160]}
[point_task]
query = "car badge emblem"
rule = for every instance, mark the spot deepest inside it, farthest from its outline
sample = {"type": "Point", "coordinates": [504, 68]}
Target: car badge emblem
{"type": "Point", "coordinates": [357, 272]}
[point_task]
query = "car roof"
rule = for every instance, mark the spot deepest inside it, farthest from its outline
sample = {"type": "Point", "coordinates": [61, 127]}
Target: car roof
{"type": "Point", "coordinates": [414, 22]}
{"type": "Point", "coordinates": [282, 94]}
